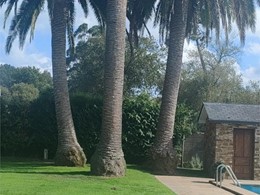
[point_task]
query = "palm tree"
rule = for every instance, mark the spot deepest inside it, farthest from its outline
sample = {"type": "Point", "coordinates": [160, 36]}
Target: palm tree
{"type": "Point", "coordinates": [179, 19]}
{"type": "Point", "coordinates": [69, 152]}
{"type": "Point", "coordinates": [163, 157]}
{"type": "Point", "coordinates": [108, 159]}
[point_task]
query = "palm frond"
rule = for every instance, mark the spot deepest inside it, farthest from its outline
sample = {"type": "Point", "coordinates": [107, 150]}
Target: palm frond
{"type": "Point", "coordinates": [99, 8]}
{"type": "Point", "coordinates": [162, 17]}
{"type": "Point", "coordinates": [139, 12]}
{"type": "Point", "coordinates": [192, 18]}
{"type": "Point", "coordinates": [84, 6]}
{"type": "Point", "coordinates": [2, 2]}
{"type": "Point", "coordinates": [50, 6]}
{"type": "Point", "coordinates": [244, 15]}
{"type": "Point", "coordinates": [12, 35]}
{"type": "Point", "coordinates": [70, 18]}
{"type": "Point", "coordinates": [11, 4]}
{"type": "Point", "coordinates": [23, 21]}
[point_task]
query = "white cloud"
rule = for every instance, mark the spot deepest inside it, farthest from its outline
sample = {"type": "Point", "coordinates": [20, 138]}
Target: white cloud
{"type": "Point", "coordinates": [237, 68]}
{"type": "Point", "coordinates": [188, 46]}
{"type": "Point", "coordinates": [253, 48]}
{"type": "Point", "coordinates": [250, 73]}
{"type": "Point", "coordinates": [19, 58]}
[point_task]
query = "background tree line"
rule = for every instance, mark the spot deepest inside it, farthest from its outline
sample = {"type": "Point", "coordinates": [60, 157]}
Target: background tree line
{"type": "Point", "coordinates": [27, 102]}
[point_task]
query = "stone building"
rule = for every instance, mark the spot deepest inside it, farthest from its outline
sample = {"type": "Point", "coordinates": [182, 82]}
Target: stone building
{"type": "Point", "coordinates": [232, 136]}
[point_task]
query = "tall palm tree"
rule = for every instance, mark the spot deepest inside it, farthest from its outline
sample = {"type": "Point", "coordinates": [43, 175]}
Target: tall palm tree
{"type": "Point", "coordinates": [108, 159]}
{"type": "Point", "coordinates": [163, 157]}
{"type": "Point", "coordinates": [69, 152]}
{"type": "Point", "coordinates": [179, 19]}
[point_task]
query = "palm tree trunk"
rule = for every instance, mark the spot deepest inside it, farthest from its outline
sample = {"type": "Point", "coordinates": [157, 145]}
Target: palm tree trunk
{"type": "Point", "coordinates": [69, 152]}
{"type": "Point", "coordinates": [163, 157]}
{"type": "Point", "coordinates": [108, 159]}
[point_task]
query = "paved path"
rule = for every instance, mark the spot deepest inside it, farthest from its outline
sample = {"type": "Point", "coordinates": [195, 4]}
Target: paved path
{"type": "Point", "coordinates": [191, 185]}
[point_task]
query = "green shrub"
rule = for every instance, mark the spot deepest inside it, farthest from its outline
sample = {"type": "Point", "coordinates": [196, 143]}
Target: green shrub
{"type": "Point", "coordinates": [87, 116]}
{"type": "Point", "coordinates": [140, 115]}
{"type": "Point", "coordinates": [14, 118]}
{"type": "Point", "coordinates": [43, 130]}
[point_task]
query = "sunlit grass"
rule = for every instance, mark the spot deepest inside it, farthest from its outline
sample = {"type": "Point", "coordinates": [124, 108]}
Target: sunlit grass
{"type": "Point", "coordinates": [24, 177]}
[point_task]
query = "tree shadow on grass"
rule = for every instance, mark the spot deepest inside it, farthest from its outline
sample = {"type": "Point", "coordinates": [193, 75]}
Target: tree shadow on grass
{"type": "Point", "coordinates": [178, 171]}
{"type": "Point", "coordinates": [30, 168]}
{"type": "Point", "coordinates": [35, 167]}
{"type": "Point", "coordinates": [39, 167]}
{"type": "Point", "coordinates": [141, 168]}
{"type": "Point", "coordinates": [71, 173]}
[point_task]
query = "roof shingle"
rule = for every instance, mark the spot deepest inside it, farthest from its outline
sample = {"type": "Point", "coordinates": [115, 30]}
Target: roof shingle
{"type": "Point", "coordinates": [231, 113]}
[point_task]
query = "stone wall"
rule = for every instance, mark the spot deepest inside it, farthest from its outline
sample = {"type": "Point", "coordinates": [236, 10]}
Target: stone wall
{"type": "Point", "coordinates": [257, 154]}
{"type": "Point", "coordinates": [224, 144]}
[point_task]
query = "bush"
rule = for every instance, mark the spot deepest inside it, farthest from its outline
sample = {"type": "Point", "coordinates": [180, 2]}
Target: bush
{"type": "Point", "coordinates": [14, 118]}
{"type": "Point", "coordinates": [87, 116]}
{"type": "Point", "coordinates": [140, 115]}
{"type": "Point", "coordinates": [43, 130]}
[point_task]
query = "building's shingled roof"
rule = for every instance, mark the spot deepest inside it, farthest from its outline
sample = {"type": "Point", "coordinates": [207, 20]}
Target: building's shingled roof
{"type": "Point", "coordinates": [230, 113]}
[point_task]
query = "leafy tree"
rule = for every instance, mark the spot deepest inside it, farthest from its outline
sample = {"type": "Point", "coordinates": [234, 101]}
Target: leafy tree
{"type": "Point", "coordinates": [185, 123]}
{"type": "Point", "coordinates": [5, 95]}
{"type": "Point", "coordinates": [249, 94]}
{"type": "Point", "coordinates": [32, 75]}
{"type": "Point", "coordinates": [108, 159]}
{"type": "Point", "coordinates": [29, 75]}
{"type": "Point", "coordinates": [144, 68]}
{"type": "Point", "coordinates": [7, 75]}
{"type": "Point", "coordinates": [24, 93]}
{"type": "Point", "coordinates": [210, 75]}
{"type": "Point", "coordinates": [87, 68]}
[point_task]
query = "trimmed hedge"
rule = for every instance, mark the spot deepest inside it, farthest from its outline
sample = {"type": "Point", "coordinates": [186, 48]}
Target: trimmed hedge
{"type": "Point", "coordinates": [38, 127]}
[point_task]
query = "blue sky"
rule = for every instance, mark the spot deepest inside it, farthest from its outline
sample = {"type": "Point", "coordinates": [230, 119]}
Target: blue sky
{"type": "Point", "coordinates": [38, 52]}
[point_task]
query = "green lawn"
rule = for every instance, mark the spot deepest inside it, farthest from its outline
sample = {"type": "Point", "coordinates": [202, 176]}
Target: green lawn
{"type": "Point", "coordinates": [25, 177]}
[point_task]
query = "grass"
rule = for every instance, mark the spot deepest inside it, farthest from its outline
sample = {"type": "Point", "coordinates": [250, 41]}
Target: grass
{"type": "Point", "coordinates": [25, 177]}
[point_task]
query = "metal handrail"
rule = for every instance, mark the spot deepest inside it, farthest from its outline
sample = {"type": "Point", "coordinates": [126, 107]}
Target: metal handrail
{"type": "Point", "coordinates": [230, 172]}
